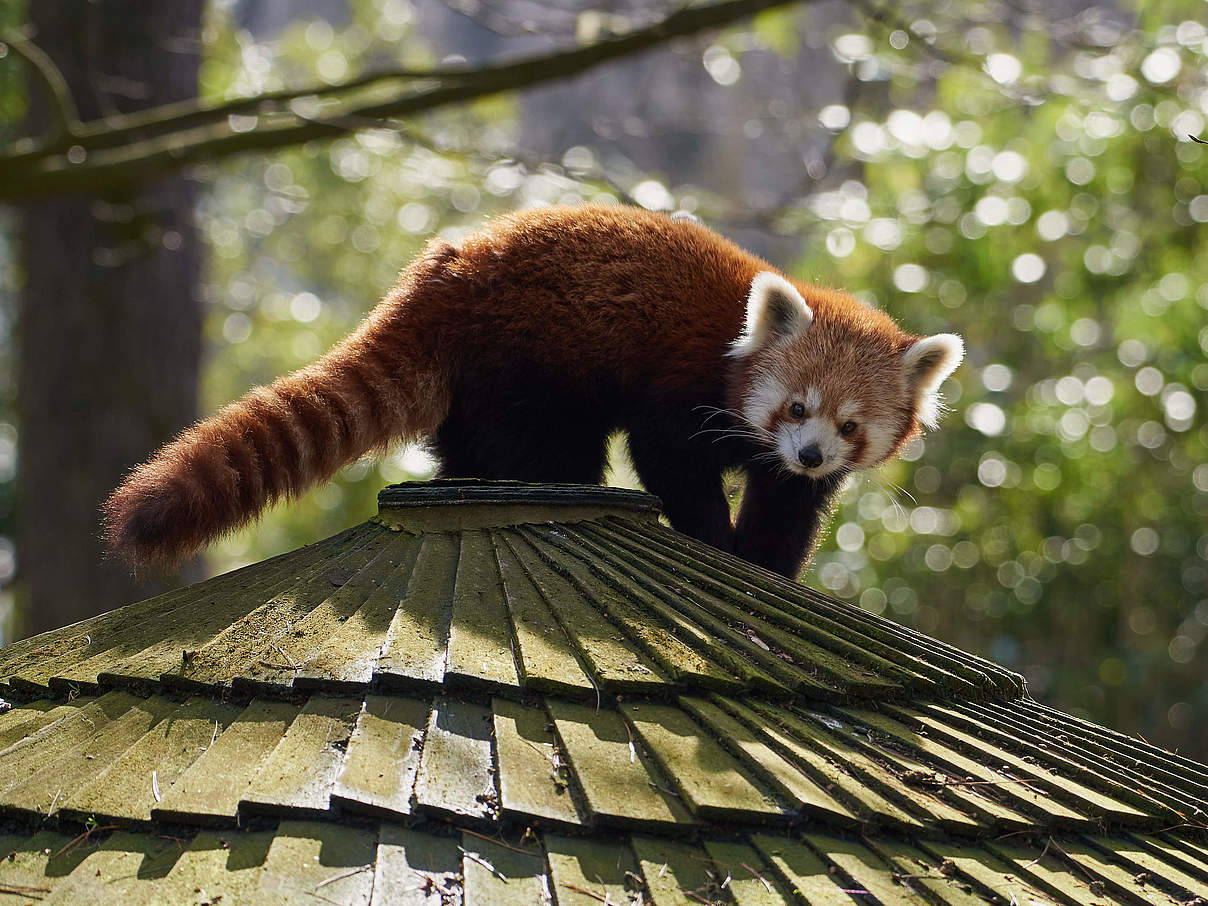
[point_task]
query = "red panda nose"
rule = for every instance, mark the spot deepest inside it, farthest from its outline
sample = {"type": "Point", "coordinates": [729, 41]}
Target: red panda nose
{"type": "Point", "coordinates": [810, 457]}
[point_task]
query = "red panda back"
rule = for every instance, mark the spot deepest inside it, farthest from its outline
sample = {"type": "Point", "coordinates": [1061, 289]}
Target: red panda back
{"type": "Point", "coordinates": [597, 289]}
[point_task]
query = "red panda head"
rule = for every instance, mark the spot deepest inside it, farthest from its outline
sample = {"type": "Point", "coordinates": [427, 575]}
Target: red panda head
{"type": "Point", "coordinates": [832, 385]}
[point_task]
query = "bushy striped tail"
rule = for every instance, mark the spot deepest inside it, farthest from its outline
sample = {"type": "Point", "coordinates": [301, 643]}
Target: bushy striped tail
{"type": "Point", "coordinates": [376, 386]}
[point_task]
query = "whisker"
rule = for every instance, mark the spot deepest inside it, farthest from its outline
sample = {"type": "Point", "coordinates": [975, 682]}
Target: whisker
{"type": "Point", "coordinates": [889, 492]}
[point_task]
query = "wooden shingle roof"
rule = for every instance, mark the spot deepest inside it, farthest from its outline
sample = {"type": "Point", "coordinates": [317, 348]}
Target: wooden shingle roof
{"type": "Point", "coordinates": [496, 693]}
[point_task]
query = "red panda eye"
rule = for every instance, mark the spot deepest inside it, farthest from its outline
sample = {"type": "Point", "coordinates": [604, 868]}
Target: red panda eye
{"type": "Point", "coordinates": [847, 428]}
{"type": "Point", "coordinates": [797, 410]}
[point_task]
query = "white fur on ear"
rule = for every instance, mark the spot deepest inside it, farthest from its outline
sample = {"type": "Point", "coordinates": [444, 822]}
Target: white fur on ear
{"type": "Point", "coordinates": [775, 311]}
{"type": "Point", "coordinates": [926, 363]}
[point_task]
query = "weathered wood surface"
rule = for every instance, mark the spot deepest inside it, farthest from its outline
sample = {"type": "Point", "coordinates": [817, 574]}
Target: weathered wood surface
{"type": "Point", "coordinates": [534, 779]}
{"type": "Point", "coordinates": [456, 772]}
{"type": "Point", "coordinates": [383, 756]}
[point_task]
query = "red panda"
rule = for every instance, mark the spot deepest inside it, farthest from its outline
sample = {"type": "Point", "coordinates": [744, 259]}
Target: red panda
{"type": "Point", "coordinates": [516, 352]}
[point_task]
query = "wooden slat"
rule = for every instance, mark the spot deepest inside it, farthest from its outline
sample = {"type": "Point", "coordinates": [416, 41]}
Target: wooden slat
{"type": "Point", "coordinates": [789, 638]}
{"type": "Point", "coordinates": [26, 720]}
{"type": "Point", "coordinates": [126, 787]}
{"type": "Point", "coordinates": [1046, 870]}
{"type": "Point", "coordinates": [714, 785]}
{"type": "Point", "coordinates": [677, 874]}
{"type": "Point", "coordinates": [533, 779]}
{"type": "Point", "coordinates": [1176, 771]}
{"type": "Point", "coordinates": [297, 777]}
{"type": "Point", "coordinates": [545, 656]}
{"type": "Point", "coordinates": [106, 654]}
{"type": "Point", "coordinates": [991, 875]}
{"type": "Point", "coordinates": [937, 718]}
{"type": "Point", "coordinates": [253, 640]}
{"type": "Point", "coordinates": [1194, 846]}
{"type": "Point", "coordinates": [614, 594]}
{"type": "Point", "coordinates": [613, 661]}
{"type": "Point", "coordinates": [25, 758]}
{"type": "Point", "coordinates": [416, 869]}
{"type": "Point", "coordinates": [1028, 798]}
{"type": "Point", "coordinates": [961, 672]}
{"type": "Point", "coordinates": [39, 862]}
{"type": "Point", "coordinates": [315, 862]}
{"type": "Point", "coordinates": [383, 756]}
{"type": "Point", "coordinates": [732, 650]}
{"type": "Point", "coordinates": [1192, 859]}
{"type": "Point", "coordinates": [921, 873]}
{"type": "Point", "coordinates": [864, 867]}
{"type": "Point", "coordinates": [971, 797]}
{"type": "Point", "coordinates": [803, 871]}
{"type": "Point", "coordinates": [1004, 727]}
{"type": "Point", "coordinates": [210, 790]}
{"type": "Point", "coordinates": [825, 733]}
{"type": "Point", "coordinates": [216, 868]}
{"type": "Point", "coordinates": [1148, 862]}
{"type": "Point", "coordinates": [794, 742]}
{"type": "Point", "coordinates": [1145, 783]}
{"type": "Point", "coordinates": [588, 871]}
{"type": "Point", "coordinates": [414, 653]}
{"type": "Point", "coordinates": [125, 869]}
{"type": "Point", "coordinates": [863, 651]}
{"type": "Point", "coordinates": [282, 658]}
{"type": "Point", "coordinates": [196, 623]}
{"type": "Point", "coordinates": [480, 638]}
{"type": "Point", "coordinates": [456, 777]}
{"type": "Point", "coordinates": [501, 875]}
{"type": "Point", "coordinates": [345, 661]}
{"type": "Point", "coordinates": [619, 786]}
{"type": "Point", "coordinates": [76, 652]}
{"type": "Point", "coordinates": [1120, 882]}
{"type": "Point", "coordinates": [791, 782]}
{"type": "Point", "coordinates": [749, 881]}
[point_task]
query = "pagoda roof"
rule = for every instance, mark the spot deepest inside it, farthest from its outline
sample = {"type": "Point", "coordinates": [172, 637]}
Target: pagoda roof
{"type": "Point", "coordinates": [497, 693]}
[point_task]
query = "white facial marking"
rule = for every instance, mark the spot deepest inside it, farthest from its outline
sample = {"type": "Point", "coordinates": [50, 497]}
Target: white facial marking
{"type": "Point", "coordinates": [848, 410]}
{"type": "Point", "coordinates": [764, 399]}
{"type": "Point", "coordinates": [879, 440]}
{"type": "Point", "coordinates": [813, 399]}
{"type": "Point", "coordinates": [793, 437]}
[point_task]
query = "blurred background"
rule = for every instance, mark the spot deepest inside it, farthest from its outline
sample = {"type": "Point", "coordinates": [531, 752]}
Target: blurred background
{"type": "Point", "coordinates": [1018, 172]}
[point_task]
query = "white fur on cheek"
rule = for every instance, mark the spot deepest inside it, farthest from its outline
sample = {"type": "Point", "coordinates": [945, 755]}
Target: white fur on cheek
{"type": "Point", "coordinates": [879, 440]}
{"type": "Point", "coordinates": [764, 399]}
{"type": "Point", "coordinates": [813, 399]}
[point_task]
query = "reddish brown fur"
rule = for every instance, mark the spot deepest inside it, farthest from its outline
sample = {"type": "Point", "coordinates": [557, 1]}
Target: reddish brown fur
{"type": "Point", "coordinates": [616, 302]}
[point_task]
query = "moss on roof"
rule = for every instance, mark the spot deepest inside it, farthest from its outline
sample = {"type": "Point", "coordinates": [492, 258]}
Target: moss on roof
{"type": "Point", "coordinates": [503, 693]}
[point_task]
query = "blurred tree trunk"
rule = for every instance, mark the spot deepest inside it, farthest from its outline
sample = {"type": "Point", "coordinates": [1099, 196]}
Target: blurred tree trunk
{"type": "Point", "coordinates": [110, 324]}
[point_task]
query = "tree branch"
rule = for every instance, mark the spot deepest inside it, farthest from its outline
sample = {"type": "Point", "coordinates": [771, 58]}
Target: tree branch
{"type": "Point", "coordinates": [186, 135]}
{"type": "Point", "coordinates": [66, 118]}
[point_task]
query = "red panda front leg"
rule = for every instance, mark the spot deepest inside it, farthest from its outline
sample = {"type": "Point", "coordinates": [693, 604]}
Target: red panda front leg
{"type": "Point", "coordinates": [780, 519]}
{"type": "Point", "coordinates": [688, 479]}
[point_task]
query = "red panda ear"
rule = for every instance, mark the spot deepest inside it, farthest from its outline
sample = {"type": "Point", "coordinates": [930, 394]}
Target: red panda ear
{"type": "Point", "coordinates": [926, 363]}
{"type": "Point", "coordinates": [775, 312]}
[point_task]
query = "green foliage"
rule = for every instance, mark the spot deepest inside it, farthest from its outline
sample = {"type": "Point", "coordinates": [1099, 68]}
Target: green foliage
{"type": "Point", "coordinates": [1055, 220]}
